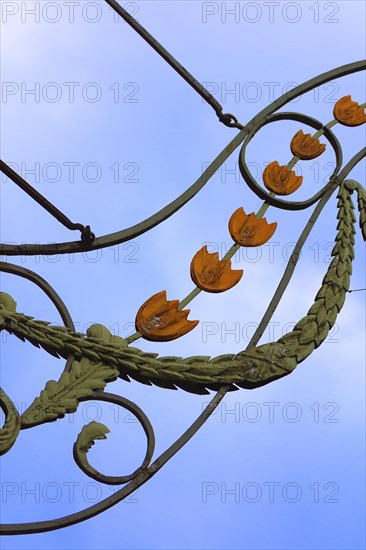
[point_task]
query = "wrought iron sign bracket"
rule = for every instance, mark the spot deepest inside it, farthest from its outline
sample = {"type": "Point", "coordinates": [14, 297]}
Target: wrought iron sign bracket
{"type": "Point", "coordinates": [97, 358]}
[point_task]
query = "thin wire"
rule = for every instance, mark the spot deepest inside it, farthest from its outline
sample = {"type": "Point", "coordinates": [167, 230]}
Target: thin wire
{"type": "Point", "coordinates": [356, 290]}
{"type": "Point", "coordinates": [344, 288]}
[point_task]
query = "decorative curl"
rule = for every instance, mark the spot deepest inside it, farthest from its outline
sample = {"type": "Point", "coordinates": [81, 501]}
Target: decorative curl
{"type": "Point", "coordinates": [95, 430]}
{"type": "Point", "coordinates": [270, 199]}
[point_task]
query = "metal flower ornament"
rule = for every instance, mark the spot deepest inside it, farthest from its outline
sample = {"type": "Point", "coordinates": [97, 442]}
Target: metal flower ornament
{"type": "Point", "coordinates": [97, 358]}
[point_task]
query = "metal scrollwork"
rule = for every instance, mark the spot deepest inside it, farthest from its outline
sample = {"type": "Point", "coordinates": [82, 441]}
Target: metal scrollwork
{"type": "Point", "coordinates": [95, 430]}
{"type": "Point", "coordinates": [97, 358]}
{"type": "Point", "coordinates": [268, 197]}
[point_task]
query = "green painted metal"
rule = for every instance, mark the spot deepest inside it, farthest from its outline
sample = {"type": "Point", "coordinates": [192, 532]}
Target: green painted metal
{"type": "Point", "coordinates": [134, 231]}
{"type": "Point", "coordinates": [102, 357]}
{"type": "Point", "coordinates": [97, 358]}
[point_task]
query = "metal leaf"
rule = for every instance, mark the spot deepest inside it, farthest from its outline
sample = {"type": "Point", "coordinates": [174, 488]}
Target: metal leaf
{"type": "Point", "coordinates": [59, 398]}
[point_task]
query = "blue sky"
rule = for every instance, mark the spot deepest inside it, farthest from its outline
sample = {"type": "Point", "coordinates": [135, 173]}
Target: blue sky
{"type": "Point", "coordinates": [112, 134]}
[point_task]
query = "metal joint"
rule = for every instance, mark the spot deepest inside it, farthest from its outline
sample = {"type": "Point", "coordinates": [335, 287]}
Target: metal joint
{"type": "Point", "coordinates": [87, 236]}
{"type": "Point", "coordinates": [229, 120]}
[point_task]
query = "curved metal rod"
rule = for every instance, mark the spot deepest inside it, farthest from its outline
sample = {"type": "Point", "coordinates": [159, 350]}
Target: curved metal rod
{"type": "Point", "coordinates": [5, 403]}
{"type": "Point", "coordinates": [43, 285]}
{"type": "Point", "coordinates": [291, 264]}
{"type": "Point", "coordinates": [140, 228]}
{"type": "Point", "coordinates": [49, 291]}
{"type": "Point", "coordinates": [135, 230]}
{"type": "Point", "coordinates": [147, 427]}
{"type": "Point", "coordinates": [259, 191]}
{"type": "Point", "coordinates": [72, 519]}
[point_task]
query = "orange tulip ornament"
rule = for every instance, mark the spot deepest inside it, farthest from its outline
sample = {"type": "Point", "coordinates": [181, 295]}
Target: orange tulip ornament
{"type": "Point", "coordinates": [159, 320]}
{"type": "Point", "coordinates": [211, 274]}
{"type": "Point", "coordinates": [248, 230]}
{"type": "Point", "coordinates": [280, 180]}
{"type": "Point", "coordinates": [348, 112]}
{"type": "Point", "coordinates": [305, 147]}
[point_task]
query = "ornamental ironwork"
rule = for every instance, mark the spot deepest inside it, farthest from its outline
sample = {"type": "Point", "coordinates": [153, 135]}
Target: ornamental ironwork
{"type": "Point", "coordinates": [96, 358]}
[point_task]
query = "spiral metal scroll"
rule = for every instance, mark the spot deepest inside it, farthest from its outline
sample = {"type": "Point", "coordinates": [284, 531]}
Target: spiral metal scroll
{"type": "Point", "coordinates": [97, 358]}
